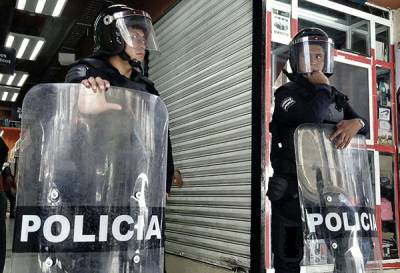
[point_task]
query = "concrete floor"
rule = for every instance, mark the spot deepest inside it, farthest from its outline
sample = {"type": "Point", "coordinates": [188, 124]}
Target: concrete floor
{"type": "Point", "coordinates": [176, 264]}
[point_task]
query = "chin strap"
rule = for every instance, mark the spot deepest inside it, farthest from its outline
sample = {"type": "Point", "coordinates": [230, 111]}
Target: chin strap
{"type": "Point", "coordinates": [290, 76]}
{"type": "Point", "coordinates": [135, 64]}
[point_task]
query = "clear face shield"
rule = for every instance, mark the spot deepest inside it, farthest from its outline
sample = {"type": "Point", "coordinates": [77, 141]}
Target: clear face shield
{"type": "Point", "coordinates": [137, 30]}
{"type": "Point", "coordinates": [314, 53]}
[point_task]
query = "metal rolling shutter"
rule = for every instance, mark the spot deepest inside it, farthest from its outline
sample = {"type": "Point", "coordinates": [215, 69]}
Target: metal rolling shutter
{"type": "Point", "coordinates": [204, 77]}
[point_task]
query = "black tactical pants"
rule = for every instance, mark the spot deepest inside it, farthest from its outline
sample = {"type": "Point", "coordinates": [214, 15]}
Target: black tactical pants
{"type": "Point", "coordinates": [11, 198]}
{"type": "Point", "coordinates": [3, 207]}
{"type": "Point", "coordinates": [287, 236]}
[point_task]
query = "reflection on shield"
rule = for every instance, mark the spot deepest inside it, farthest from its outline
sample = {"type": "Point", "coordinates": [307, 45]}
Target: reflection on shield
{"type": "Point", "coordinates": [91, 181]}
{"type": "Point", "coordinates": [337, 202]}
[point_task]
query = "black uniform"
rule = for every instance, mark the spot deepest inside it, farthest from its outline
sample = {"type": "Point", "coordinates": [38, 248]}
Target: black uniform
{"type": "Point", "coordinates": [8, 183]}
{"type": "Point", "coordinates": [297, 102]}
{"type": "Point", "coordinates": [98, 66]}
{"type": "Point", "coordinates": [3, 207]}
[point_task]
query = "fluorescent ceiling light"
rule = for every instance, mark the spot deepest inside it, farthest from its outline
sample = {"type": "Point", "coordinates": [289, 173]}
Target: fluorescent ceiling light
{"type": "Point", "coordinates": [14, 97]}
{"type": "Point", "coordinates": [40, 5]}
{"type": "Point", "coordinates": [37, 49]}
{"type": "Point", "coordinates": [11, 79]}
{"type": "Point", "coordinates": [1, 77]}
{"type": "Point", "coordinates": [58, 8]}
{"type": "Point", "coordinates": [22, 80]}
{"type": "Point", "coordinates": [21, 4]}
{"type": "Point", "coordinates": [5, 94]}
{"type": "Point", "coordinates": [10, 40]}
{"type": "Point", "coordinates": [22, 48]}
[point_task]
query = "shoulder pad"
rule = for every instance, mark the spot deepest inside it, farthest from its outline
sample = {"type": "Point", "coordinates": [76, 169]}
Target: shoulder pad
{"type": "Point", "coordinates": [151, 88]}
{"type": "Point", "coordinates": [77, 73]}
{"type": "Point", "coordinates": [287, 86]}
{"type": "Point", "coordinates": [147, 80]}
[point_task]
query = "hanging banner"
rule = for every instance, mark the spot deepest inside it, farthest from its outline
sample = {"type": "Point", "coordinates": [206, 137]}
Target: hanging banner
{"type": "Point", "coordinates": [7, 60]}
{"type": "Point", "coordinates": [360, 2]}
{"type": "Point", "coordinates": [281, 26]}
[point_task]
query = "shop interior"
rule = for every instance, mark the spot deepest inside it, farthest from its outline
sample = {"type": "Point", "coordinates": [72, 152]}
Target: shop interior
{"type": "Point", "coordinates": [364, 71]}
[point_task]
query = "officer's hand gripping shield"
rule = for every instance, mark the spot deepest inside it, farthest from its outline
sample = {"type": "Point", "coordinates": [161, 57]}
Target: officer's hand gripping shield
{"type": "Point", "coordinates": [337, 203]}
{"type": "Point", "coordinates": [91, 178]}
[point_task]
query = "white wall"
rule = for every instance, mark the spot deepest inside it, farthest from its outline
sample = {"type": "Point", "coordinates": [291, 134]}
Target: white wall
{"type": "Point", "coordinates": [396, 25]}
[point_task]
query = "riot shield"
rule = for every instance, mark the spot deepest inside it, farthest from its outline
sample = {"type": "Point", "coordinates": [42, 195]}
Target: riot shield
{"type": "Point", "coordinates": [337, 203]}
{"type": "Point", "coordinates": [91, 193]}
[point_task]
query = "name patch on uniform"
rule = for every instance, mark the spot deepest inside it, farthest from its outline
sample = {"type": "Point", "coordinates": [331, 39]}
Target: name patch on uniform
{"type": "Point", "coordinates": [287, 103]}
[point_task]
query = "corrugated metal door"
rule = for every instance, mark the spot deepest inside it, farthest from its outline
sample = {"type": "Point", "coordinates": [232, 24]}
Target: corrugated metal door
{"type": "Point", "coordinates": [204, 77]}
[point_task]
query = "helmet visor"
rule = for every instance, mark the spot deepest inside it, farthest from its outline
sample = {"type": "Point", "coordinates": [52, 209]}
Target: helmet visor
{"type": "Point", "coordinates": [314, 53]}
{"type": "Point", "coordinates": [137, 32]}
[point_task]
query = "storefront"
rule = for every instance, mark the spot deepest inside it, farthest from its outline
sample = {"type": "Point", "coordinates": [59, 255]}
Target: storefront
{"type": "Point", "coordinates": [211, 77]}
{"type": "Point", "coordinates": [364, 71]}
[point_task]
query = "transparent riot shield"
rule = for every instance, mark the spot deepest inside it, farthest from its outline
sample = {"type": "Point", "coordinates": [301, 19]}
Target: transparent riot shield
{"type": "Point", "coordinates": [91, 193]}
{"type": "Point", "coordinates": [337, 202]}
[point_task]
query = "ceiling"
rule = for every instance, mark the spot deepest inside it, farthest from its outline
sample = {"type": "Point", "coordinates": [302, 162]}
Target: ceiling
{"type": "Point", "coordinates": [71, 32]}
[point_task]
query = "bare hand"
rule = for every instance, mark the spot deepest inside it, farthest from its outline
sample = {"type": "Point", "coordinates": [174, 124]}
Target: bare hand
{"type": "Point", "coordinates": [96, 84]}
{"type": "Point", "coordinates": [94, 102]}
{"type": "Point", "coordinates": [178, 178]}
{"type": "Point", "coordinates": [317, 78]}
{"type": "Point", "coordinates": [346, 130]}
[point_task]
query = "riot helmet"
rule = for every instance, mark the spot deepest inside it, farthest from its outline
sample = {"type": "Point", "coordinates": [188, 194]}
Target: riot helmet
{"type": "Point", "coordinates": [312, 50]}
{"type": "Point", "coordinates": [118, 25]}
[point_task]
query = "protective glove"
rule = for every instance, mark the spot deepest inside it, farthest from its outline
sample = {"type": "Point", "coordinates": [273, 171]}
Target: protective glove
{"type": "Point", "coordinates": [277, 187]}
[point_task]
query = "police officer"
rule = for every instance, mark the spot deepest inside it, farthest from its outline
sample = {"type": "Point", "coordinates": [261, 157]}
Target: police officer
{"type": "Point", "coordinates": [123, 37]}
{"type": "Point", "coordinates": [3, 207]}
{"type": "Point", "coordinates": [307, 98]}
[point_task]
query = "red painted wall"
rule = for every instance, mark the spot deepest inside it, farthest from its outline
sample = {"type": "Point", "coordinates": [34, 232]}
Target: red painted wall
{"type": "Point", "coordinates": [10, 136]}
